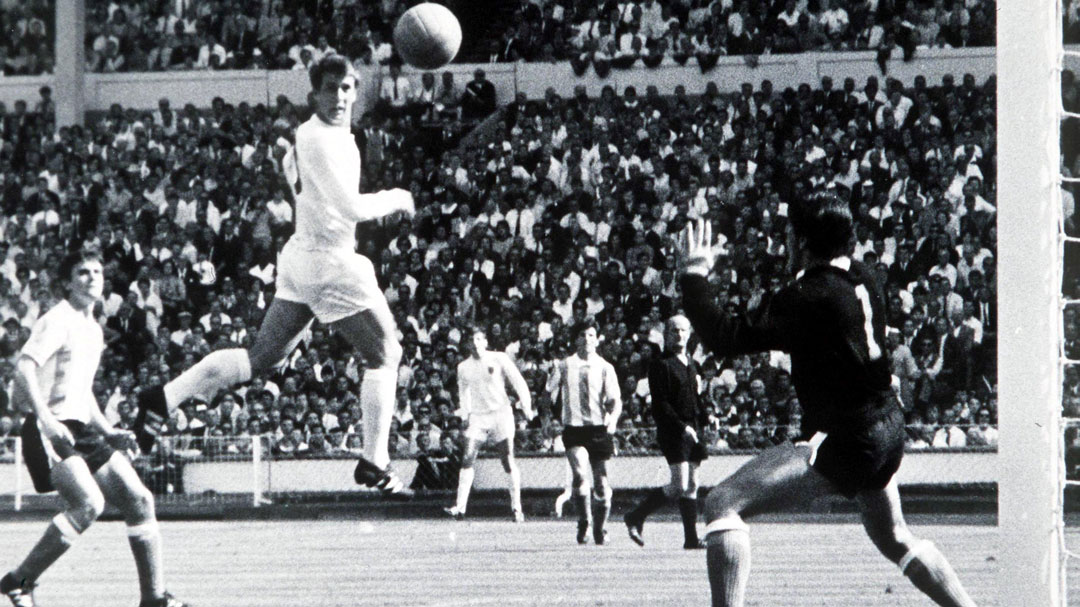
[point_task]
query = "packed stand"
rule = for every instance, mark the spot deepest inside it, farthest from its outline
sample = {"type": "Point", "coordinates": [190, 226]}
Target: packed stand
{"type": "Point", "coordinates": [569, 209]}
{"type": "Point", "coordinates": [28, 45]}
{"type": "Point", "coordinates": [137, 35]}
{"type": "Point", "coordinates": [620, 34]}
{"type": "Point", "coordinates": [143, 35]}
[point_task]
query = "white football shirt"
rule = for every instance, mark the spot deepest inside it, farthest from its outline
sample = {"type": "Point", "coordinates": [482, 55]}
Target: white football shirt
{"type": "Point", "coordinates": [482, 383]}
{"type": "Point", "coordinates": [67, 347]}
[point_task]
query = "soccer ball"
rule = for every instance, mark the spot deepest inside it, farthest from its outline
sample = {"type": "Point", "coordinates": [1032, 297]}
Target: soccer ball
{"type": "Point", "coordinates": [427, 36]}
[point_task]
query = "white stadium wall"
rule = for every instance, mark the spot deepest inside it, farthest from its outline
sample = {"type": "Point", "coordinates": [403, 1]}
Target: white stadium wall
{"type": "Point", "coordinates": [142, 90]}
{"type": "Point", "coordinates": [629, 472]}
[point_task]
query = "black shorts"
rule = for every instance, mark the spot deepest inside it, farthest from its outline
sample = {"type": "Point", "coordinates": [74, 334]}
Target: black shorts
{"type": "Point", "coordinates": [678, 448]}
{"type": "Point", "coordinates": [595, 439]}
{"type": "Point", "coordinates": [866, 457]}
{"type": "Point", "coordinates": [89, 445]}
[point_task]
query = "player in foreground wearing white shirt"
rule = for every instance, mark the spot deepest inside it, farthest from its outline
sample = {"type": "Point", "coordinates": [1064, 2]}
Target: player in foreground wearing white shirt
{"type": "Point", "coordinates": [319, 276]}
{"type": "Point", "coordinates": [485, 407]}
{"type": "Point", "coordinates": [70, 447]}
{"type": "Point", "coordinates": [588, 389]}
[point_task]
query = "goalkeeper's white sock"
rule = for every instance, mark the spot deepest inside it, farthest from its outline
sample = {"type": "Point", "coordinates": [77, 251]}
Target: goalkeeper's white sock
{"type": "Point", "coordinates": [217, 370]}
{"type": "Point", "coordinates": [377, 392]}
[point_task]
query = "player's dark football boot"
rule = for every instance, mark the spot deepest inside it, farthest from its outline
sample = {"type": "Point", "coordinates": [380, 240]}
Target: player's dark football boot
{"type": "Point", "coordinates": [151, 417]}
{"type": "Point", "coordinates": [166, 601]}
{"type": "Point", "coordinates": [600, 536]}
{"type": "Point", "coordinates": [583, 532]}
{"type": "Point", "coordinates": [383, 479]}
{"type": "Point", "coordinates": [694, 545]}
{"type": "Point", "coordinates": [454, 513]}
{"type": "Point", "coordinates": [20, 595]}
{"type": "Point", "coordinates": [634, 529]}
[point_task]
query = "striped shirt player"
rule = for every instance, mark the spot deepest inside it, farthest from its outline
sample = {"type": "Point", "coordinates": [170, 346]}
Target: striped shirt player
{"type": "Point", "coordinates": [485, 407]}
{"type": "Point", "coordinates": [321, 276]}
{"type": "Point", "coordinates": [588, 389]}
{"type": "Point", "coordinates": [70, 447]}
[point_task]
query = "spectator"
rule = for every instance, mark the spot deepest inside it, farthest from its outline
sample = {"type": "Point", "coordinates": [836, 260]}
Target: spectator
{"type": "Point", "coordinates": [478, 99]}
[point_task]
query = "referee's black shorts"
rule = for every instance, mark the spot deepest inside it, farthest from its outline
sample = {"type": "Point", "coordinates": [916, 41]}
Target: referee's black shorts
{"type": "Point", "coordinates": [678, 448]}
{"type": "Point", "coordinates": [595, 439]}
{"type": "Point", "coordinates": [40, 457]}
{"type": "Point", "coordinates": [865, 457]}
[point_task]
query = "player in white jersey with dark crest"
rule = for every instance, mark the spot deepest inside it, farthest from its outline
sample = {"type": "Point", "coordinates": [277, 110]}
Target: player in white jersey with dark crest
{"type": "Point", "coordinates": [68, 444]}
{"type": "Point", "coordinates": [320, 275]}
{"type": "Point", "coordinates": [588, 389]}
{"type": "Point", "coordinates": [486, 409]}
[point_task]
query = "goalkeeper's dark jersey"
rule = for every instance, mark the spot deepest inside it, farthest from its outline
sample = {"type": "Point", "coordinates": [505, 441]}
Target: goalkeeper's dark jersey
{"type": "Point", "coordinates": [831, 320]}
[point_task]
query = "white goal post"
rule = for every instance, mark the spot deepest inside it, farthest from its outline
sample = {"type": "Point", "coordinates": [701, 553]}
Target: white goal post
{"type": "Point", "coordinates": [1030, 496]}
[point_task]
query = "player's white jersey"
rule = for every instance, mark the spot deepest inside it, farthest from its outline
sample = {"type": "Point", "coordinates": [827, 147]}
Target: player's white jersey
{"type": "Point", "coordinates": [585, 387]}
{"type": "Point", "coordinates": [327, 204]}
{"type": "Point", "coordinates": [482, 383]}
{"type": "Point", "coordinates": [67, 347]}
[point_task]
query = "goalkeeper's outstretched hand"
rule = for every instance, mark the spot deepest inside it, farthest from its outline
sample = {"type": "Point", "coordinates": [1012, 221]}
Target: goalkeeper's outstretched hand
{"type": "Point", "coordinates": [696, 249]}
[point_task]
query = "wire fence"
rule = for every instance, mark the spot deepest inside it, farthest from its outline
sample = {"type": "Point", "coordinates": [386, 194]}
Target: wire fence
{"type": "Point", "coordinates": [204, 474]}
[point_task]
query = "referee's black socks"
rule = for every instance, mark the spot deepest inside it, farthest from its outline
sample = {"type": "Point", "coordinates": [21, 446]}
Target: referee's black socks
{"type": "Point", "coordinates": [688, 511]}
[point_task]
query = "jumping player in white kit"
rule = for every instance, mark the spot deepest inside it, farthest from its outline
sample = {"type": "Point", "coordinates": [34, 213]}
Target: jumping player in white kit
{"type": "Point", "coordinates": [70, 447]}
{"type": "Point", "coordinates": [485, 407]}
{"type": "Point", "coordinates": [320, 275]}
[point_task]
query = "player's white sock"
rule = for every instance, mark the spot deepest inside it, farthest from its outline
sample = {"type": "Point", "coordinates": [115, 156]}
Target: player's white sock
{"type": "Point", "coordinates": [145, 541]}
{"type": "Point", "coordinates": [377, 391]}
{"type": "Point", "coordinates": [728, 559]}
{"type": "Point", "coordinates": [515, 488]}
{"type": "Point", "coordinates": [464, 485]}
{"type": "Point", "coordinates": [217, 370]}
{"type": "Point", "coordinates": [930, 571]}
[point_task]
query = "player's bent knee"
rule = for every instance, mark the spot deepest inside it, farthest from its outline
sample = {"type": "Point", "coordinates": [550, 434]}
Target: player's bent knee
{"type": "Point", "coordinates": [720, 503]}
{"type": "Point", "coordinates": [916, 551]}
{"type": "Point", "coordinates": [602, 493]}
{"type": "Point", "coordinates": [145, 531]}
{"type": "Point", "coordinates": [386, 357]}
{"type": "Point", "coordinates": [81, 516]}
{"type": "Point", "coordinates": [730, 521]}
{"type": "Point", "coordinates": [141, 504]}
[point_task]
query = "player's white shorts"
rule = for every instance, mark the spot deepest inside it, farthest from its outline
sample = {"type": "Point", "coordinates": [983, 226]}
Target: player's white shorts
{"type": "Point", "coordinates": [334, 283]}
{"type": "Point", "coordinates": [496, 427]}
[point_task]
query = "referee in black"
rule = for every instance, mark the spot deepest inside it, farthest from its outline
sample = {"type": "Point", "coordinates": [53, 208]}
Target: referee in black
{"type": "Point", "coordinates": [673, 384]}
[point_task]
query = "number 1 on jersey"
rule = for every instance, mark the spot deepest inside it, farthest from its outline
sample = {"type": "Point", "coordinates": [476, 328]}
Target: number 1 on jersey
{"type": "Point", "coordinates": [868, 326]}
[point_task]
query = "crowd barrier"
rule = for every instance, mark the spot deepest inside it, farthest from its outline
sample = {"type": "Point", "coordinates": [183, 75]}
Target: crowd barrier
{"type": "Point", "coordinates": [143, 90]}
{"type": "Point", "coordinates": [246, 472]}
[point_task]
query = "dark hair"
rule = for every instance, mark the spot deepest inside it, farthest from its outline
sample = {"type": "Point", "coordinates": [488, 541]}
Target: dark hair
{"type": "Point", "coordinates": [578, 329]}
{"type": "Point", "coordinates": [472, 328]}
{"type": "Point", "coordinates": [331, 64]}
{"type": "Point", "coordinates": [72, 260]}
{"type": "Point", "coordinates": [825, 222]}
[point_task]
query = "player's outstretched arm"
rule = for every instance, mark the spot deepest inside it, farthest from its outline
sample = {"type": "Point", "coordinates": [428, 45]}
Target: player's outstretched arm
{"type": "Point", "coordinates": [723, 333]}
{"type": "Point", "coordinates": [328, 177]}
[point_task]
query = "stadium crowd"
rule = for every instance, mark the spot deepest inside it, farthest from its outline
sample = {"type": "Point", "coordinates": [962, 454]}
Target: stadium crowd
{"type": "Point", "coordinates": [568, 208]}
{"type": "Point", "coordinates": [141, 35]}
{"type": "Point", "coordinates": [27, 48]}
